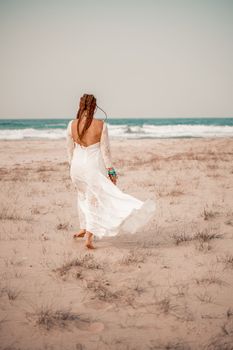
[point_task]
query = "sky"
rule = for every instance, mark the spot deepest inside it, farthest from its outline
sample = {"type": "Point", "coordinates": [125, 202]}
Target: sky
{"type": "Point", "coordinates": [147, 58]}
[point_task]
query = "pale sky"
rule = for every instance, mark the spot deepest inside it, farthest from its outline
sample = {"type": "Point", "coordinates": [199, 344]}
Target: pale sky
{"type": "Point", "coordinates": [147, 58]}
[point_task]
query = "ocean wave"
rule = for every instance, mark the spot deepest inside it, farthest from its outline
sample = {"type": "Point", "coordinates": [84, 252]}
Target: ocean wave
{"type": "Point", "coordinates": [124, 131]}
{"type": "Point", "coordinates": [30, 133]}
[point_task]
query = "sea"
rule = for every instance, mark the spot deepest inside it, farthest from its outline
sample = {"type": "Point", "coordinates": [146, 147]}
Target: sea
{"type": "Point", "coordinates": [124, 128]}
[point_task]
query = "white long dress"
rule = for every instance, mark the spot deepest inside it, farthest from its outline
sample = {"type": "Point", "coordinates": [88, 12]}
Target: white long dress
{"type": "Point", "coordinates": [103, 208]}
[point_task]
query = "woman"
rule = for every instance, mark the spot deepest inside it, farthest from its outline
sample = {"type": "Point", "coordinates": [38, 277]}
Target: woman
{"type": "Point", "coordinates": [103, 209]}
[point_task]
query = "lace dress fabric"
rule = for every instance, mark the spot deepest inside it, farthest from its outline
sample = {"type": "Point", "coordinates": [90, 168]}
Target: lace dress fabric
{"type": "Point", "coordinates": [103, 208]}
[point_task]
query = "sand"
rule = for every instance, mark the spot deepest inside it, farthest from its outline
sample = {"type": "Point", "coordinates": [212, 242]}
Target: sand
{"type": "Point", "coordinates": [167, 287]}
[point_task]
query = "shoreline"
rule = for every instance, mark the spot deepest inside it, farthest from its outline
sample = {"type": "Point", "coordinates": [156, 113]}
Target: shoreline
{"type": "Point", "coordinates": [112, 139]}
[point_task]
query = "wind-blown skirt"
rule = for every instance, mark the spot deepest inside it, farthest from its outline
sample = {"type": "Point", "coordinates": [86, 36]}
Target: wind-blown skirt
{"type": "Point", "coordinates": [104, 209]}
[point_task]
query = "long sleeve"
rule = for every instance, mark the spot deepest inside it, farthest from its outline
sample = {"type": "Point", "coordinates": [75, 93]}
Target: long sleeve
{"type": "Point", "coordinates": [105, 147]}
{"type": "Point", "coordinates": [69, 142]}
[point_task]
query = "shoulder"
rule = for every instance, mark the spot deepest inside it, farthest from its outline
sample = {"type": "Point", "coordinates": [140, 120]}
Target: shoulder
{"type": "Point", "coordinates": [99, 123]}
{"type": "Point", "coordinates": [70, 122]}
{"type": "Point", "coordinates": [69, 125]}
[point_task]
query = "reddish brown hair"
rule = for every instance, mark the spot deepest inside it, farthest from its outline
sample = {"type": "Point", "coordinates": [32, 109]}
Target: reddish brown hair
{"type": "Point", "coordinates": [87, 104]}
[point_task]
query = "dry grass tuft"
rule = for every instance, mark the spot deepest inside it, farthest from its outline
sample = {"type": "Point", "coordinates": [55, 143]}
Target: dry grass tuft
{"type": "Point", "coordinates": [12, 293]}
{"type": "Point", "coordinates": [135, 256]}
{"type": "Point", "coordinates": [102, 291]}
{"type": "Point", "coordinates": [181, 237]}
{"type": "Point", "coordinates": [86, 261]}
{"type": "Point", "coordinates": [63, 226]}
{"type": "Point", "coordinates": [204, 297]}
{"type": "Point", "coordinates": [175, 192]}
{"type": "Point", "coordinates": [165, 305]}
{"type": "Point", "coordinates": [171, 345]}
{"type": "Point", "coordinates": [206, 235]}
{"type": "Point", "coordinates": [208, 214]}
{"type": "Point", "coordinates": [44, 168]}
{"type": "Point", "coordinates": [179, 290]}
{"type": "Point", "coordinates": [211, 279]}
{"type": "Point", "coordinates": [203, 237]}
{"type": "Point", "coordinates": [221, 342]}
{"type": "Point", "coordinates": [8, 213]}
{"type": "Point", "coordinates": [35, 211]}
{"type": "Point", "coordinates": [229, 312]}
{"type": "Point", "coordinates": [139, 289]}
{"type": "Point", "coordinates": [48, 318]}
{"type": "Point", "coordinates": [202, 246]}
{"type": "Point", "coordinates": [228, 260]}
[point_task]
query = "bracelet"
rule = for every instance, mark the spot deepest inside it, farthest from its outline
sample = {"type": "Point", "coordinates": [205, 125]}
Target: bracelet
{"type": "Point", "coordinates": [111, 171]}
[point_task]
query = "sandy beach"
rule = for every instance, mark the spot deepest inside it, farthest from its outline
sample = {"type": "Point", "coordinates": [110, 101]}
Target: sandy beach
{"type": "Point", "coordinates": [168, 287]}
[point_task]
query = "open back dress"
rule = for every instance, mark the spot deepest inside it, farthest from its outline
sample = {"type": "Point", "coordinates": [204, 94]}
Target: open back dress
{"type": "Point", "coordinates": [103, 209]}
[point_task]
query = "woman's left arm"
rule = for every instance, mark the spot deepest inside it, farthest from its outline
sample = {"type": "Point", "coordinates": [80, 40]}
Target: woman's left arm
{"type": "Point", "coordinates": [69, 142]}
{"type": "Point", "coordinates": [106, 153]}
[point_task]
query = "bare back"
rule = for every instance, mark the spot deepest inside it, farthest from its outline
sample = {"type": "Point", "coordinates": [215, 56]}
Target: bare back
{"type": "Point", "coordinates": [93, 133]}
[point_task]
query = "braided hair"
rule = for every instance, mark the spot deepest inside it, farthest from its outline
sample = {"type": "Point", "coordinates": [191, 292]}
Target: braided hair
{"type": "Point", "coordinates": [87, 104]}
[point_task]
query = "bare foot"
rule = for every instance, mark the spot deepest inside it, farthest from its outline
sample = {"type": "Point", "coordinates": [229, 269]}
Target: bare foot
{"type": "Point", "coordinates": [81, 233]}
{"type": "Point", "coordinates": [89, 245]}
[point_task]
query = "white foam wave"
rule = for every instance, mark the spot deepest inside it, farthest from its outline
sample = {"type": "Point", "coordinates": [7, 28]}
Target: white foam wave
{"type": "Point", "coordinates": [30, 133]}
{"type": "Point", "coordinates": [171, 131]}
{"type": "Point", "coordinates": [126, 132]}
